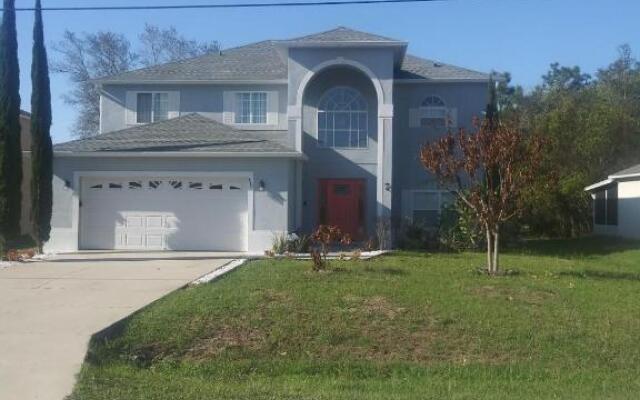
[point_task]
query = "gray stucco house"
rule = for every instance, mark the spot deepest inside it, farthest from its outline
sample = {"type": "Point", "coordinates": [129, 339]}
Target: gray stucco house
{"type": "Point", "coordinates": [222, 151]}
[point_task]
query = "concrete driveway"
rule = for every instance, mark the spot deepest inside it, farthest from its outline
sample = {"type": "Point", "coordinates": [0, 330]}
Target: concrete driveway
{"type": "Point", "coordinates": [50, 309]}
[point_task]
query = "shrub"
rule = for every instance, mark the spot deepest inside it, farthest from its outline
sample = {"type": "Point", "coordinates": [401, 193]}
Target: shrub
{"type": "Point", "coordinates": [279, 245]}
{"type": "Point", "coordinates": [323, 238]}
{"type": "Point", "coordinates": [416, 237]}
{"type": "Point", "coordinates": [290, 243]}
{"type": "Point", "coordinates": [299, 243]}
{"type": "Point", "coordinates": [459, 229]}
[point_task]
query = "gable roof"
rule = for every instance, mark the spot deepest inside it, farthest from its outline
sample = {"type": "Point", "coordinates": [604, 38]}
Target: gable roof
{"type": "Point", "coordinates": [188, 133]}
{"type": "Point", "coordinates": [262, 61]}
{"type": "Point", "coordinates": [342, 34]}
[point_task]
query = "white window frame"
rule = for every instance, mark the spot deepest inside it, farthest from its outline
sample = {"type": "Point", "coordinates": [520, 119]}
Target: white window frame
{"type": "Point", "coordinates": [152, 93]}
{"type": "Point", "coordinates": [412, 200]}
{"type": "Point", "coordinates": [366, 127]}
{"type": "Point", "coordinates": [447, 114]}
{"type": "Point", "coordinates": [237, 109]}
{"type": "Point", "coordinates": [434, 112]}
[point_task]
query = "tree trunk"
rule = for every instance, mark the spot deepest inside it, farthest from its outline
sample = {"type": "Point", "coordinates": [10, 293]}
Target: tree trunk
{"type": "Point", "coordinates": [489, 251]}
{"type": "Point", "coordinates": [496, 249]}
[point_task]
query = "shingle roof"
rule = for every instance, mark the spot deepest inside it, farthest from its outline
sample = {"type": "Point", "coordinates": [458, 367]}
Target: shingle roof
{"type": "Point", "coordinates": [261, 61]}
{"type": "Point", "coordinates": [419, 68]}
{"type": "Point", "coordinates": [628, 171]}
{"type": "Point", "coordinates": [188, 133]}
{"type": "Point", "coordinates": [256, 61]}
{"type": "Point", "coordinates": [342, 34]}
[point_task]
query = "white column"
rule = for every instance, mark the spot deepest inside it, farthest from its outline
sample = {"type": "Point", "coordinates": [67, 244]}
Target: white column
{"type": "Point", "coordinates": [385, 159]}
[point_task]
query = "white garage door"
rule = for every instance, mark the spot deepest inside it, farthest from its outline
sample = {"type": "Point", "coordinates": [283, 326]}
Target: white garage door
{"type": "Point", "coordinates": [157, 213]}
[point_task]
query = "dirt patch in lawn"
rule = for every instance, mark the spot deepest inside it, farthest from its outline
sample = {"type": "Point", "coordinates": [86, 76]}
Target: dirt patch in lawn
{"type": "Point", "coordinates": [226, 337]}
{"type": "Point", "coordinates": [381, 306]}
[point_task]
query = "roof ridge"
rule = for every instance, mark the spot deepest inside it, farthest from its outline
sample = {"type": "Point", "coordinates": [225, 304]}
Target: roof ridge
{"type": "Point", "coordinates": [342, 28]}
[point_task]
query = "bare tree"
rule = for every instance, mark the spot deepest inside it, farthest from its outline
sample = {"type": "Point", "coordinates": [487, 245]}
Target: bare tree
{"type": "Point", "coordinates": [489, 171]}
{"type": "Point", "coordinates": [87, 56]}
{"type": "Point", "coordinates": [83, 58]}
{"type": "Point", "coordinates": [159, 46]}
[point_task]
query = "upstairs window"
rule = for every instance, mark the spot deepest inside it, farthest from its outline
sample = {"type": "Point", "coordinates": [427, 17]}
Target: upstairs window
{"type": "Point", "coordinates": [152, 107]}
{"type": "Point", "coordinates": [433, 112]}
{"type": "Point", "coordinates": [251, 108]}
{"type": "Point", "coordinates": [342, 119]}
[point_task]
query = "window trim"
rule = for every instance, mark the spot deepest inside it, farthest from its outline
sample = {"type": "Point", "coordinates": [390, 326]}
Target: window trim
{"type": "Point", "coordinates": [365, 112]}
{"type": "Point", "coordinates": [152, 93]}
{"type": "Point", "coordinates": [430, 112]}
{"type": "Point", "coordinates": [236, 109]}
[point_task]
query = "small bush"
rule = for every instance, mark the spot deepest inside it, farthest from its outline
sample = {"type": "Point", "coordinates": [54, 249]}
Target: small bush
{"type": "Point", "coordinates": [290, 243]}
{"type": "Point", "coordinates": [417, 237]}
{"type": "Point", "coordinates": [323, 238]}
{"type": "Point", "coordinates": [459, 229]}
{"type": "Point", "coordinates": [279, 245]}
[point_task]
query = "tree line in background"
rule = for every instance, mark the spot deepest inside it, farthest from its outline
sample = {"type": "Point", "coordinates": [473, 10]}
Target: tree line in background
{"type": "Point", "coordinates": [10, 147]}
{"type": "Point", "coordinates": [591, 126]}
{"type": "Point", "coordinates": [88, 56]}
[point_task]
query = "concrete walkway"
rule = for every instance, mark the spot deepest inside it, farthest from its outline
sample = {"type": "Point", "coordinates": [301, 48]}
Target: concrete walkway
{"type": "Point", "coordinates": [50, 309]}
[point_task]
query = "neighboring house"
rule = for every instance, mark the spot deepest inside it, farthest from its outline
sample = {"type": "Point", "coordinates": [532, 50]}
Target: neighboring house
{"type": "Point", "coordinates": [25, 145]}
{"type": "Point", "coordinates": [222, 151]}
{"type": "Point", "coordinates": [616, 204]}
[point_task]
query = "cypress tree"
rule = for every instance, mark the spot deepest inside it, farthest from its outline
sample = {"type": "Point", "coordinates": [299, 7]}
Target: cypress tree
{"type": "Point", "coordinates": [41, 147]}
{"type": "Point", "coordinates": [10, 152]}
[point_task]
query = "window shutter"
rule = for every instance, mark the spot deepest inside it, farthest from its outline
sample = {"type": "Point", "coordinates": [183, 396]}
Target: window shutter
{"type": "Point", "coordinates": [130, 108]}
{"type": "Point", "coordinates": [174, 104]}
{"type": "Point", "coordinates": [228, 107]}
{"type": "Point", "coordinates": [414, 117]}
{"type": "Point", "coordinates": [272, 108]}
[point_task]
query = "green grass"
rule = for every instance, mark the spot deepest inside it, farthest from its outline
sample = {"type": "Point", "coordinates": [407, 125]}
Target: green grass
{"type": "Point", "coordinates": [408, 326]}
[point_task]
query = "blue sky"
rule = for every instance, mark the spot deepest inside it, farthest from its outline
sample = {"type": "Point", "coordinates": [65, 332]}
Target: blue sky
{"type": "Point", "coordinates": [519, 36]}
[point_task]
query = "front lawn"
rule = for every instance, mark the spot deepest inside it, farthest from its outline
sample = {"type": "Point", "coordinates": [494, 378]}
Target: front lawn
{"type": "Point", "coordinates": [565, 325]}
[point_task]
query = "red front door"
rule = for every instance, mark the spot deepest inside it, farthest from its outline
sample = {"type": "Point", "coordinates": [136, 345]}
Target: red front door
{"type": "Point", "coordinates": [342, 205]}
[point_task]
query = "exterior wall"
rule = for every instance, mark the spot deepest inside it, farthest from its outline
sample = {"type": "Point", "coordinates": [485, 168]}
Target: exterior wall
{"type": "Point", "coordinates": [25, 144]}
{"type": "Point", "coordinates": [389, 166]}
{"type": "Point", "coordinates": [204, 99]}
{"type": "Point", "coordinates": [628, 212]}
{"type": "Point", "coordinates": [359, 163]}
{"type": "Point", "coordinates": [368, 70]}
{"type": "Point", "coordinates": [271, 206]}
{"type": "Point", "coordinates": [469, 99]}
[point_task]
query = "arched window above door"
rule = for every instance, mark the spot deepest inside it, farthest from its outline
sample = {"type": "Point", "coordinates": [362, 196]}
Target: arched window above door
{"type": "Point", "coordinates": [342, 119]}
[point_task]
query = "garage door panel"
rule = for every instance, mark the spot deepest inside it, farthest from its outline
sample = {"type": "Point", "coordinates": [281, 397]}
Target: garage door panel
{"type": "Point", "coordinates": [164, 213]}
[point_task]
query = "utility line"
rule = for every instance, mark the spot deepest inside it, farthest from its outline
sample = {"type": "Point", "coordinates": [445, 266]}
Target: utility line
{"type": "Point", "coordinates": [224, 5]}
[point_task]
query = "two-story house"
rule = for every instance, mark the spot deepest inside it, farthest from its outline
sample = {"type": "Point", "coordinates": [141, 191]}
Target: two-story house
{"type": "Point", "coordinates": [222, 151]}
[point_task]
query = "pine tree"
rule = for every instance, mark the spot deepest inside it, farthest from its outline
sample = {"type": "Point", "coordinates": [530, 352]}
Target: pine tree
{"type": "Point", "coordinates": [10, 152]}
{"type": "Point", "coordinates": [41, 147]}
